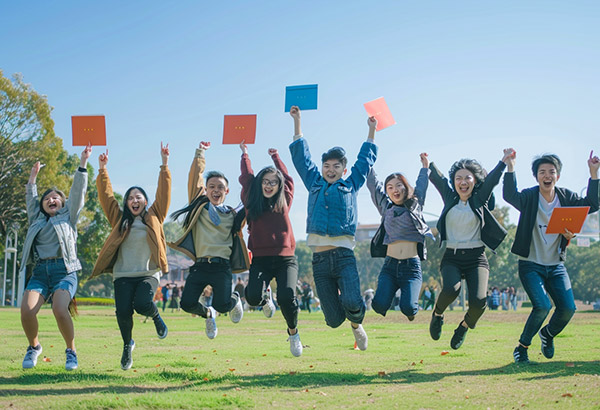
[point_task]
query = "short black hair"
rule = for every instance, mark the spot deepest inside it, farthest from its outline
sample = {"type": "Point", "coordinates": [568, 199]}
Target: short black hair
{"type": "Point", "coordinates": [337, 153]}
{"type": "Point", "coordinates": [215, 174]}
{"type": "Point", "coordinates": [551, 159]}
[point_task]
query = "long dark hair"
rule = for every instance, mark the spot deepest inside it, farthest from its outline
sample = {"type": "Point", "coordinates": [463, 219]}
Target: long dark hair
{"type": "Point", "coordinates": [409, 190]}
{"type": "Point", "coordinates": [200, 199]}
{"type": "Point", "coordinates": [257, 203]}
{"type": "Point", "coordinates": [46, 193]}
{"type": "Point", "coordinates": [127, 217]}
{"type": "Point", "coordinates": [470, 165]}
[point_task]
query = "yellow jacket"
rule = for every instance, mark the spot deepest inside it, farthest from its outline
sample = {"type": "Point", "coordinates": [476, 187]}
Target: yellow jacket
{"type": "Point", "coordinates": [153, 219]}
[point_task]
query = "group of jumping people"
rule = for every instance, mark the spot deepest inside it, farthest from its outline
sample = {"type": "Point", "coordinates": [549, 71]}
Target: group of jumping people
{"type": "Point", "coordinates": [135, 251]}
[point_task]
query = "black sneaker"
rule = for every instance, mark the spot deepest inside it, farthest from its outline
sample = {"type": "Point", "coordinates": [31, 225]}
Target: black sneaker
{"type": "Point", "coordinates": [126, 358]}
{"type": "Point", "coordinates": [435, 326]}
{"type": "Point", "coordinates": [520, 355]}
{"type": "Point", "coordinates": [459, 336]}
{"type": "Point", "coordinates": [547, 343]}
{"type": "Point", "coordinates": [161, 328]}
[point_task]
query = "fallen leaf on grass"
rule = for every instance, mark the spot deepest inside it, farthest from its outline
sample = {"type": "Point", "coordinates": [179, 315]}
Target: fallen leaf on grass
{"type": "Point", "coordinates": [196, 369]}
{"type": "Point", "coordinates": [47, 359]}
{"type": "Point", "coordinates": [215, 351]}
{"type": "Point", "coordinates": [567, 395]}
{"type": "Point", "coordinates": [413, 364]}
{"type": "Point", "coordinates": [311, 366]}
{"type": "Point", "coordinates": [135, 370]}
{"type": "Point", "coordinates": [421, 361]}
{"type": "Point", "coordinates": [306, 390]}
{"type": "Point", "coordinates": [193, 358]}
{"type": "Point", "coordinates": [158, 365]}
{"type": "Point", "coordinates": [292, 372]}
{"type": "Point", "coordinates": [445, 352]}
{"type": "Point", "coordinates": [570, 364]}
{"type": "Point", "coordinates": [466, 397]}
{"type": "Point", "coordinates": [381, 374]}
{"type": "Point", "coordinates": [231, 370]}
{"type": "Point", "coordinates": [264, 354]}
{"type": "Point", "coordinates": [51, 346]}
{"type": "Point", "coordinates": [205, 379]}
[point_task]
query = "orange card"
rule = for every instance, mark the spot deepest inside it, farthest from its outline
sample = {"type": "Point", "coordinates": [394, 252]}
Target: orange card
{"type": "Point", "coordinates": [569, 217]}
{"type": "Point", "coordinates": [379, 109]}
{"type": "Point", "coordinates": [238, 128]}
{"type": "Point", "coordinates": [88, 128]}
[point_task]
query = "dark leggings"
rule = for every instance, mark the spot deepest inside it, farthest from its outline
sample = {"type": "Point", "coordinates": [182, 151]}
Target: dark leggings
{"type": "Point", "coordinates": [472, 266]}
{"type": "Point", "coordinates": [285, 271]}
{"type": "Point", "coordinates": [202, 274]}
{"type": "Point", "coordinates": [135, 293]}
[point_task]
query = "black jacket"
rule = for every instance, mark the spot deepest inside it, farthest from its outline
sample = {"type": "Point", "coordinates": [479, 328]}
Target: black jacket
{"type": "Point", "coordinates": [492, 233]}
{"type": "Point", "coordinates": [527, 202]}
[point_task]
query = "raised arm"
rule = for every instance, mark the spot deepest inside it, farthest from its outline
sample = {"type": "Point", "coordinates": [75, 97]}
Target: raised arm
{"type": "Point", "coordinates": [76, 198]}
{"type": "Point", "coordinates": [195, 179]}
{"type": "Point", "coordinates": [295, 113]}
{"type": "Point", "coordinates": [591, 197]}
{"type": "Point", "coordinates": [31, 194]}
{"type": "Point", "coordinates": [107, 199]}
{"type": "Point", "coordinates": [422, 179]}
{"type": "Point", "coordinates": [377, 191]}
{"type": "Point", "coordinates": [288, 183]}
{"type": "Point", "coordinates": [366, 157]}
{"type": "Point", "coordinates": [439, 181]}
{"type": "Point", "coordinates": [306, 168]}
{"type": "Point", "coordinates": [491, 180]}
{"type": "Point", "coordinates": [161, 203]}
{"type": "Point", "coordinates": [247, 174]}
{"type": "Point", "coordinates": [510, 192]}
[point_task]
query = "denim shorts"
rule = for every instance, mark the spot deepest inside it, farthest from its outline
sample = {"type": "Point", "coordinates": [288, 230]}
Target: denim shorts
{"type": "Point", "coordinates": [49, 275]}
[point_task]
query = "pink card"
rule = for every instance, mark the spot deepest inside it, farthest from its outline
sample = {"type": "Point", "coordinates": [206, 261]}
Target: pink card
{"type": "Point", "coordinates": [379, 109]}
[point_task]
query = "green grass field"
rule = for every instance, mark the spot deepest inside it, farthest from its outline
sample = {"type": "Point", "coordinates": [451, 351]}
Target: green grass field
{"type": "Point", "coordinates": [249, 365]}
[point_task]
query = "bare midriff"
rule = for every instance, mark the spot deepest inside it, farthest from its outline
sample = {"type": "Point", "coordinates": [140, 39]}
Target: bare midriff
{"type": "Point", "coordinates": [402, 250]}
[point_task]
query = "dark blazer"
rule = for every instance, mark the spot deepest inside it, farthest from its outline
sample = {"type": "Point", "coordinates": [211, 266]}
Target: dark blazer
{"type": "Point", "coordinates": [527, 202]}
{"type": "Point", "coordinates": [492, 233]}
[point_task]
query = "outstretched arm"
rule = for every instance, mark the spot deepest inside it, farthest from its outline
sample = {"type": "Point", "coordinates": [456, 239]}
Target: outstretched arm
{"type": "Point", "coordinates": [510, 192]}
{"type": "Point", "coordinates": [79, 187]}
{"type": "Point", "coordinates": [439, 181]}
{"type": "Point", "coordinates": [247, 174]}
{"type": "Point", "coordinates": [195, 180]}
{"type": "Point", "coordinates": [366, 157]}
{"type": "Point", "coordinates": [295, 113]}
{"type": "Point", "coordinates": [31, 195]}
{"type": "Point", "coordinates": [107, 199]}
{"type": "Point", "coordinates": [306, 168]}
{"type": "Point", "coordinates": [422, 179]}
{"type": "Point", "coordinates": [377, 191]}
{"type": "Point", "coordinates": [163, 191]}
{"type": "Point", "coordinates": [288, 183]}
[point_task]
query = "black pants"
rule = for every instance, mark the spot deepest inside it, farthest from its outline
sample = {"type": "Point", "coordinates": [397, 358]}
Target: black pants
{"type": "Point", "coordinates": [131, 294]}
{"type": "Point", "coordinates": [202, 274]}
{"type": "Point", "coordinates": [472, 266]}
{"type": "Point", "coordinates": [285, 271]}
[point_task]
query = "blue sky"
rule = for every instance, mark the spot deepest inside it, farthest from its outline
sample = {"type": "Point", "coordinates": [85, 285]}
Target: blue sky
{"type": "Point", "coordinates": [462, 79]}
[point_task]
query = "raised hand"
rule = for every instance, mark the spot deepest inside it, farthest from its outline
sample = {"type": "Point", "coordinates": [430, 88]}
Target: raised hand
{"type": "Point", "coordinates": [204, 145]}
{"type": "Point", "coordinates": [295, 112]}
{"type": "Point", "coordinates": [243, 147]}
{"type": "Point", "coordinates": [103, 160]}
{"type": "Point", "coordinates": [509, 158]}
{"type": "Point", "coordinates": [372, 122]}
{"type": "Point", "coordinates": [34, 172]}
{"type": "Point", "coordinates": [87, 151]}
{"type": "Point", "coordinates": [594, 164]}
{"type": "Point", "coordinates": [164, 153]}
{"type": "Point", "coordinates": [272, 151]}
{"type": "Point", "coordinates": [424, 159]}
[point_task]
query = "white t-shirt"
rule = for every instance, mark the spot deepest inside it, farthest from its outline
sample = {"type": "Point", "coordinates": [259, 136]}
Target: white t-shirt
{"type": "Point", "coordinates": [462, 227]}
{"type": "Point", "coordinates": [544, 248]}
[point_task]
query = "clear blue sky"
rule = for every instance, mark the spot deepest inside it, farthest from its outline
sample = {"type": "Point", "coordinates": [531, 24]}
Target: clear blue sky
{"type": "Point", "coordinates": [462, 78]}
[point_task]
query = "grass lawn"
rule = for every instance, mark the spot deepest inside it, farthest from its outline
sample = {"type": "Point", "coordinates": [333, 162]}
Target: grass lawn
{"type": "Point", "coordinates": [249, 365]}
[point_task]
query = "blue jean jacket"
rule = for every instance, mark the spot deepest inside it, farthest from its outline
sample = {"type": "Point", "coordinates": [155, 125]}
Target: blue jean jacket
{"type": "Point", "coordinates": [332, 208]}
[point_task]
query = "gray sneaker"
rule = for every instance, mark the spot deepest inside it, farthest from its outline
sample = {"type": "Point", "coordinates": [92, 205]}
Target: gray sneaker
{"type": "Point", "coordinates": [71, 363]}
{"type": "Point", "coordinates": [295, 344]}
{"type": "Point", "coordinates": [127, 357]}
{"type": "Point", "coordinates": [269, 307]}
{"type": "Point", "coordinates": [362, 340]}
{"type": "Point", "coordinates": [237, 313]}
{"type": "Point", "coordinates": [30, 359]}
{"type": "Point", "coordinates": [211, 323]}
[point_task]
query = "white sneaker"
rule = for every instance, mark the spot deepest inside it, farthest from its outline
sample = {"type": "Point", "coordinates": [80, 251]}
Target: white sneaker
{"type": "Point", "coordinates": [362, 340]}
{"type": "Point", "coordinates": [30, 359]}
{"type": "Point", "coordinates": [295, 344]}
{"type": "Point", "coordinates": [269, 307]}
{"type": "Point", "coordinates": [211, 323]}
{"type": "Point", "coordinates": [237, 313]}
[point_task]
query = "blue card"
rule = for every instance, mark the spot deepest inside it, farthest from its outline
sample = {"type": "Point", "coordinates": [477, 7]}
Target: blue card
{"type": "Point", "coordinates": [304, 96]}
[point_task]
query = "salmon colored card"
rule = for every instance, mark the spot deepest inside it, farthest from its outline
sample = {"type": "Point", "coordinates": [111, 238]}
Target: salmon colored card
{"type": "Point", "coordinates": [569, 217]}
{"type": "Point", "coordinates": [238, 128]}
{"type": "Point", "coordinates": [88, 128]}
{"type": "Point", "coordinates": [379, 109]}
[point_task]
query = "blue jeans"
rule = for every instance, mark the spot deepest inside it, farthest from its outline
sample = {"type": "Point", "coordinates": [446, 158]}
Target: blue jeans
{"type": "Point", "coordinates": [399, 274]}
{"type": "Point", "coordinates": [49, 275]}
{"type": "Point", "coordinates": [338, 286]}
{"type": "Point", "coordinates": [539, 281]}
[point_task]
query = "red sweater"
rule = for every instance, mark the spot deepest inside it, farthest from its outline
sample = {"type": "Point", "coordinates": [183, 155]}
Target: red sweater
{"type": "Point", "coordinates": [271, 234]}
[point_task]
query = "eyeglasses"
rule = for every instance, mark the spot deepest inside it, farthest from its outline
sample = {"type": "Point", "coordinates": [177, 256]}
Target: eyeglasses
{"type": "Point", "coordinates": [267, 182]}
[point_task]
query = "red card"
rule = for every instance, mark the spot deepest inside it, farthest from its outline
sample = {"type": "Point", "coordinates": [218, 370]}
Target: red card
{"type": "Point", "coordinates": [569, 217]}
{"type": "Point", "coordinates": [88, 128]}
{"type": "Point", "coordinates": [238, 128]}
{"type": "Point", "coordinates": [379, 109]}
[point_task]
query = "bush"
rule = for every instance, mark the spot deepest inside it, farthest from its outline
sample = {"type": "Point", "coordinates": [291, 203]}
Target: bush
{"type": "Point", "coordinates": [95, 301]}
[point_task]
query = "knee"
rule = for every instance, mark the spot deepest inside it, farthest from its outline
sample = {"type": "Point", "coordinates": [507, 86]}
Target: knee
{"type": "Point", "coordinates": [409, 310]}
{"type": "Point", "coordinates": [478, 305]}
{"type": "Point", "coordinates": [186, 306]}
{"type": "Point", "coordinates": [61, 312]}
{"type": "Point", "coordinates": [335, 322]}
{"type": "Point", "coordinates": [144, 308]}
{"type": "Point", "coordinates": [379, 308]}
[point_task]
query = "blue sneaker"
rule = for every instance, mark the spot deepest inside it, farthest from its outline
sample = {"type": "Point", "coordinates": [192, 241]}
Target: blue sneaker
{"type": "Point", "coordinates": [161, 328]}
{"type": "Point", "coordinates": [547, 343]}
{"type": "Point", "coordinates": [71, 363]}
{"type": "Point", "coordinates": [30, 359]}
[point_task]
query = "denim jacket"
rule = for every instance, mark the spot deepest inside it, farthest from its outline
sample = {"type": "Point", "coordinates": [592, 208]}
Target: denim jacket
{"type": "Point", "coordinates": [64, 222]}
{"type": "Point", "coordinates": [332, 207]}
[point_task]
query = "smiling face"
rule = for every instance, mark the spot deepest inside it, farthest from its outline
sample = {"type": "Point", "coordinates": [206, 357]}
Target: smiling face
{"type": "Point", "coordinates": [136, 202]}
{"type": "Point", "coordinates": [216, 190]}
{"type": "Point", "coordinates": [547, 176]}
{"type": "Point", "coordinates": [332, 170]}
{"type": "Point", "coordinates": [52, 202]}
{"type": "Point", "coordinates": [270, 184]}
{"type": "Point", "coordinates": [464, 182]}
{"type": "Point", "coordinates": [396, 191]}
